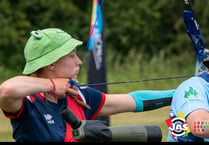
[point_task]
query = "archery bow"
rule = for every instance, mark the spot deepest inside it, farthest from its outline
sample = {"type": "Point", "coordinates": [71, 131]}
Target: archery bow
{"type": "Point", "coordinates": [73, 83]}
{"type": "Point", "coordinates": [193, 30]}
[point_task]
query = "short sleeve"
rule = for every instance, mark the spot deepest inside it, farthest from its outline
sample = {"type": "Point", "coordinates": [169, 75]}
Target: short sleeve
{"type": "Point", "coordinates": [95, 99]}
{"type": "Point", "coordinates": [191, 95]}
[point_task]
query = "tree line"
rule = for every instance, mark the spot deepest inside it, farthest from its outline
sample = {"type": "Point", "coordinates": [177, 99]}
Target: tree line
{"type": "Point", "coordinates": [146, 26]}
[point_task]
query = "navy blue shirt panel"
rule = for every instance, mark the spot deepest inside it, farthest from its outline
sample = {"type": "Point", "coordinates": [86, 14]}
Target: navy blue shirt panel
{"type": "Point", "coordinates": [92, 97]}
{"type": "Point", "coordinates": [45, 123]}
{"type": "Point", "coordinates": [40, 121]}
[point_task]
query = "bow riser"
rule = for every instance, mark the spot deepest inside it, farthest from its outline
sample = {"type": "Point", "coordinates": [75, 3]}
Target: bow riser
{"type": "Point", "coordinates": [193, 30]}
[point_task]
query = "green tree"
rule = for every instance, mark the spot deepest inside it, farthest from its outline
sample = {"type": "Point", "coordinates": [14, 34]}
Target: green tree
{"type": "Point", "coordinates": [148, 27]}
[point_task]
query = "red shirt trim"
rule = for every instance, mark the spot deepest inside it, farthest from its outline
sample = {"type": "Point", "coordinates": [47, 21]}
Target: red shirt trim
{"type": "Point", "coordinates": [79, 112]}
{"type": "Point", "coordinates": [39, 95]}
{"type": "Point", "coordinates": [18, 114]}
{"type": "Point", "coordinates": [100, 106]}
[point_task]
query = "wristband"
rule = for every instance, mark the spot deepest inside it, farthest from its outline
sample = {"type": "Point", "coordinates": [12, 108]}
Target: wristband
{"type": "Point", "coordinates": [151, 99]}
{"type": "Point", "coordinates": [54, 88]}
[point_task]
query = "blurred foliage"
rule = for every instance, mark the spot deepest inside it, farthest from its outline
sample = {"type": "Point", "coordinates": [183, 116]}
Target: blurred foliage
{"type": "Point", "coordinates": [146, 26]}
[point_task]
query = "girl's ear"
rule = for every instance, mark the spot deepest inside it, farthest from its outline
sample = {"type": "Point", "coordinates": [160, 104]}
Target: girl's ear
{"type": "Point", "coordinates": [51, 67]}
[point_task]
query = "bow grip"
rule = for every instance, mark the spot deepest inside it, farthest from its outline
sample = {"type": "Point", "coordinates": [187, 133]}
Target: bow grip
{"type": "Point", "coordinates": [73, 83]}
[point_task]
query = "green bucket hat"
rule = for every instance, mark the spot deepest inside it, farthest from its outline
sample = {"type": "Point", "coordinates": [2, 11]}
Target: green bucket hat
{"type": "Point", "coordinates": [46, 46]}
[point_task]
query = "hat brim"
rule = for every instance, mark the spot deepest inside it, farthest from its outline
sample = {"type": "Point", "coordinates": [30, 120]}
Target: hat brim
{"type": "Point", "coordinates": [51, 57]}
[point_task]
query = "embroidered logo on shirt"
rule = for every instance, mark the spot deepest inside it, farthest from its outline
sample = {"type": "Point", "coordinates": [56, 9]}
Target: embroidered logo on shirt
{"type": "Point", "coordinates": [191, 91]}
{"type": "Point", "coordinates": [48, 118]}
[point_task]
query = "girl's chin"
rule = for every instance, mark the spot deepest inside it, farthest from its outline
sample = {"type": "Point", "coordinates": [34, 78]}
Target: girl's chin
{"type": "Point", "coordinates": [74, 77]}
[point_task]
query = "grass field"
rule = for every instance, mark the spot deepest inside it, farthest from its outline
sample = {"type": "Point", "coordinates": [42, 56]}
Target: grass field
{"type": "Point", "coordinates": [5, 129]}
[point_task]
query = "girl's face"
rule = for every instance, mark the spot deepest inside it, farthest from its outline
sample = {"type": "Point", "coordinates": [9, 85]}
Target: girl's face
{"type": "Point", "coordinates": [68, 66]}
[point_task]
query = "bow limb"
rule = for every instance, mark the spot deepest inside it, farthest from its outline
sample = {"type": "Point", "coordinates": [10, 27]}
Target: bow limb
{"type": "Point", "coordinates": [193, 30]}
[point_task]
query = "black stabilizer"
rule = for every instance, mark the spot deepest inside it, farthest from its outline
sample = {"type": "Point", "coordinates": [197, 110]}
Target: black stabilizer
{"type": "Point", "coordinates": [155, 134]}
{"type": "Point", "coordinates": [98, 131]}
{"type": "Point", "coordinates": [70, 117]}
